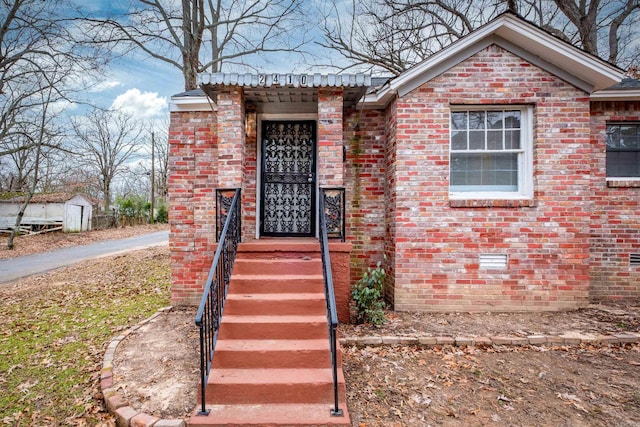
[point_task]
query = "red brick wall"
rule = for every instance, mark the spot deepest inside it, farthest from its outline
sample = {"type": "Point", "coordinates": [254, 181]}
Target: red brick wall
{"type": "Point", "coordinates": [615, 230]}
{"type": "Point", "coordinates": [330, 165]}
{"type": "Point", "coordinates": [365, 141]}
{"type": "Point", "coordinates": [391, 171]}
{"type": "Point", "coordinates": [193, 177]}
{"type": "Point", "coordinates": [437, 243]}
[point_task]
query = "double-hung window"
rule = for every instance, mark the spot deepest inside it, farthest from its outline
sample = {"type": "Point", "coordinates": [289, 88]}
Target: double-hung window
{"type": "Point", "coordinates": [623, 150]}
{"type": "Point", "coordinates": [490, 156]}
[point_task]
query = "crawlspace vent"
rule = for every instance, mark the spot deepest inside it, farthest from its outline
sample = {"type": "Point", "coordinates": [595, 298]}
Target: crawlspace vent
{"type": "Point", "coordinates": [494, 261]}
{"type": "Point", "coordinates": [634, 260]}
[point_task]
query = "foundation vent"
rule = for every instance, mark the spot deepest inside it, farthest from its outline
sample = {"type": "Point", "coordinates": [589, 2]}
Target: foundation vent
{"type": "Point", "coordinates": [634, 260]}
{"type": "Point", "coordinates": [494, 261]}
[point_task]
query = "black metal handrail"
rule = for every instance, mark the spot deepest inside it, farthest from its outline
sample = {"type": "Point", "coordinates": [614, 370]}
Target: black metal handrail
{"type": "Point", "coordinates": [332, 315]}
{"type": "Point", "coordinates": [212, 303]}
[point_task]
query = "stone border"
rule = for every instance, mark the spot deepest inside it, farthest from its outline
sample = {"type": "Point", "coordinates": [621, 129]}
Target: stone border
{"type": "Point", "coordinates": [125, 415]}
{"type": "Point", "coordinates": [568, 338]}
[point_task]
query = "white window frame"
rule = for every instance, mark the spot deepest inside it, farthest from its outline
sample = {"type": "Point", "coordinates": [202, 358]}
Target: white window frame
{"type": "Point", "coordinates": [525, 156]}
{"type": "Point", "coordinates": [632, 178]}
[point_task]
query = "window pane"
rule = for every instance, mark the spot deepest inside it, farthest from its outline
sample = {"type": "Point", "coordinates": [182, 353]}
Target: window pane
{"type": "Point", "coordinates": [476, 119]}
{"type": "Point", "coordinates": [494, 140]}
{"type": "Point", "coordinates": [512, 140]}
{"type": "Point", "coordinates": [623, 150]}
{"type": "Point", "coordinates": [459, 120]}
{"type": "Point", "coordinates": [458, 140]}
{"type": "Point", "coordinates": [476, 140]}
{"type": "Point", "coordinates": [512, 119]}
{"type": "Point", "coordinates": [623, 164]}
{"type": "Point", "coordinates": [495, 120]}
{"type": "Point", "coordinates": [628, 136]}
{"type": "Point", "coordinates": [484, 172]}
{"type": "Point", "coordinates": [613, 136]}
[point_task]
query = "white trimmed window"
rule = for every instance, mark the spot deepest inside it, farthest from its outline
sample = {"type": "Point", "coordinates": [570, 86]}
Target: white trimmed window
{"type": "Point", "coordinates": [623, 150]}
{"type": "Point", "coordinates": [491, 153]}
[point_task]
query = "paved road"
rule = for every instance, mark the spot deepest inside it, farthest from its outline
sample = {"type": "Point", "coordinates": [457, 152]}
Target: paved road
{"type": "Point", "coordinates": [17, 268]}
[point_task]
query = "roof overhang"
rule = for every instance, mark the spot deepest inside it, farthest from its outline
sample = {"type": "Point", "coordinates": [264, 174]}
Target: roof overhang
{"type": "Point", "coordinates": [191, 101]}
{"type": "Point", "coordinates": [518, 36]}
{"type": "Point", "coordinates": [286, 93]}
{"type": "Point", "coordinates": [616, 95]}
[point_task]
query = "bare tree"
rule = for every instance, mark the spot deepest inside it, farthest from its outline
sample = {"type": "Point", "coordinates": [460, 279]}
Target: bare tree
{"type": "Point", "coordinates": [393, 35]}
{"type": "Point", "coordinates": [45, 130]}
{"type": "Point", "coordinates": [36, 41]}
{"type": "Point", "coordinates": [198, 35]}
{"type": "Point", "coordinates": [104, 142]}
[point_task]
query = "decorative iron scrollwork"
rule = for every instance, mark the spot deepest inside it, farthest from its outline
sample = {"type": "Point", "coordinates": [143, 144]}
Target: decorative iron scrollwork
{"type": "Point", "coordinates": [288, 176]}
{"type": "Point", "coordinates": [334, 212]}
{"type": "Point", "coordinates": [224, 197]}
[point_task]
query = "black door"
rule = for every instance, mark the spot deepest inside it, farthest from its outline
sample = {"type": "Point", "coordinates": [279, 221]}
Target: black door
{"type": "Point", "coordinates": [288, 178]}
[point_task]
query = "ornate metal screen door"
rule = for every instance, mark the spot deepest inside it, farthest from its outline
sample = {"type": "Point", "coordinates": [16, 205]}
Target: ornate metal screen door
{"type": "Point", "coordinates": [288, 178]}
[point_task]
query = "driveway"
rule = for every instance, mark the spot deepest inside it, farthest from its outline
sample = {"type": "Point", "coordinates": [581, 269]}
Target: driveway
{"type": "Point", "coordinates": [17, 268]}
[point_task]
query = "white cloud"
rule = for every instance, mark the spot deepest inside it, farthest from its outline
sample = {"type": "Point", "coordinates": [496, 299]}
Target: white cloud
{"type": "Point", "coordinates": [105, 85]}
{"type": "Point", "coordinates": [142, 105]}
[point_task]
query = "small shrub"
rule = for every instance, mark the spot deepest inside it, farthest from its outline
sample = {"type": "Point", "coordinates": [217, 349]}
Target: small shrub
{"type": "Point", "coordinates": [368, 298]}
{"type": "Point", "coordinates": [162, 216]}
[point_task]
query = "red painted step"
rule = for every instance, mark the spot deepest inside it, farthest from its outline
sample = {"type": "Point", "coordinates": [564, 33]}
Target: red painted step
{"type": "Point", "coordinates": [282, 283]}
{"type": "Point", "coordinates": [272, 354]}
{"type": "Point", "coordinates": [248, 386]}
{"type": "Point", "coordinates": [306, 265]}
{"type": "Point", "coordinates": [273, 327]}
{"type": "Point", "coordinates": [275, 304]}
{"type": "Point", "coordinates": [281, 415]}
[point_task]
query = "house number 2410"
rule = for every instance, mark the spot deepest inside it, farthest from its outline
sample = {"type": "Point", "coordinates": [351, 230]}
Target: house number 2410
{"type": "Point", "coordinates": [290, 79]}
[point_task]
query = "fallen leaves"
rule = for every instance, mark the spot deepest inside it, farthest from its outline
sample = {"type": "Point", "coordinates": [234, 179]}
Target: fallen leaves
{"type": "Point", "coordinates": [55, 330]}
{"type": "Point", "coordinates": [492, 386]}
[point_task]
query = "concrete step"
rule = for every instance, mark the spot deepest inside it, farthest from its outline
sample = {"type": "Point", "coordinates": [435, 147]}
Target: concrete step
{"type": "Point", "coordinates": [273, 327]}
{"type": "Point", "coordinates": [277, 266]}
{"type": "Point", "coordinates": [263, 386]}
{"type": "Point", "coordinates": [272, 354]}
{"type": "Point", "coordinates": [275, 304]}
{"type": "Point", "coordinates": [270, 284]}
{"type": "Point", "coordinates": [280, 415]}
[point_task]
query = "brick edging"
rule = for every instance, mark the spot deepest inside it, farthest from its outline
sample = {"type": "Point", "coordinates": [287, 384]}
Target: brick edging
{"type": "Point", "coordinates": [117, 406]}
{"type": "Point", "coordinates": [568, 338]}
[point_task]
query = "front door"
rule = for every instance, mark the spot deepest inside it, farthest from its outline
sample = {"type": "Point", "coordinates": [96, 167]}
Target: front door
{"type": "Point", "coordinates": [288, 187]}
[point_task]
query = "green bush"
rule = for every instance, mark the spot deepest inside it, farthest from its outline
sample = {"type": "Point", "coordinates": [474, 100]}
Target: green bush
{"type": "Point", "coordinates": [162, 215]}
{"type": "Point", "coordinates": [368, 296]}
{"type": "Point", "coordinates": [133, 206]}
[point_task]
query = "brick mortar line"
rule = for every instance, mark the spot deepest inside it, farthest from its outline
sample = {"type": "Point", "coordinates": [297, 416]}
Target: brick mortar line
{"type": "Point", "coordinates": [569, 338]}
{"type": "Point", "coordinates": [117, 406]}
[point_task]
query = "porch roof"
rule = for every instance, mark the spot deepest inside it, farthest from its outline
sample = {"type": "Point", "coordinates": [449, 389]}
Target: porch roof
{"type": "Point", "coordinates": [275, 92]}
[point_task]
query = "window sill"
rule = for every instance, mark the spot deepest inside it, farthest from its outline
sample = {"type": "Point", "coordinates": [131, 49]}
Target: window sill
{"type": "Point", "coordinates": [623, 182]}
{"type": "Point", "coordinates": [491, 203]}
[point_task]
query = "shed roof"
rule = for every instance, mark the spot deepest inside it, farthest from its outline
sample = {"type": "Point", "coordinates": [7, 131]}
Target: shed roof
{"type": "Point", "coordinates": [60, 197]}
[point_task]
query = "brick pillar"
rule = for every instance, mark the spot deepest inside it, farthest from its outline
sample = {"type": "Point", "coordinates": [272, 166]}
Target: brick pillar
{"type": "Point", "coordinates": [330, 138]}
{"type": "Point", "coordinates": [192, 182]}
{"type": "Point", "coordinates": [231, 137]}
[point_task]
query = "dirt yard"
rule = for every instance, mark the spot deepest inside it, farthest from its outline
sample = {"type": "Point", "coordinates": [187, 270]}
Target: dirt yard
{"type": "Point", "coordinates": [588, 385]}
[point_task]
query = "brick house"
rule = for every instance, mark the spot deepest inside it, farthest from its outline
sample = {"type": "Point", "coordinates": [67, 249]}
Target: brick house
{"type": "Point", "coordinates": [500, 174]}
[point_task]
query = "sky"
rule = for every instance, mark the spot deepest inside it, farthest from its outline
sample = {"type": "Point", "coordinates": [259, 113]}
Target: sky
{"type": "Point", "coordinates": [133, 83]}
{"type": "Point", "coordinates": [144, 86]}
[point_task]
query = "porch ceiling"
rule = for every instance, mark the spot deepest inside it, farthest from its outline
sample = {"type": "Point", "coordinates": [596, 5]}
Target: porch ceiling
{"type": "Point", "coordinates": [278, 93]}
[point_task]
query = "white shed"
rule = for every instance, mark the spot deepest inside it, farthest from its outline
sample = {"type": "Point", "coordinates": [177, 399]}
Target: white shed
{"type": "Point", "coordinates": [71, 213]}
